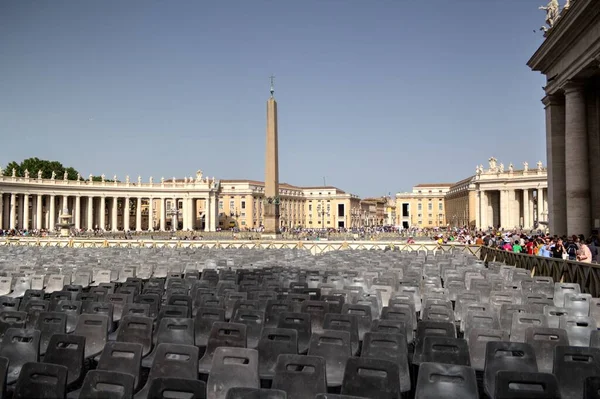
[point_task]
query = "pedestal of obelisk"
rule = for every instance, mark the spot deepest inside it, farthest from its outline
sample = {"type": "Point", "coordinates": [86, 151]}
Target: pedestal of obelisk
{"type": "Point", "coordinates": [271, 202]}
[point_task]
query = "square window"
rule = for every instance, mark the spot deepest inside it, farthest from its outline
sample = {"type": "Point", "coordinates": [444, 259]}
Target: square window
{"type": "Point", "coordinates": [243, 204]}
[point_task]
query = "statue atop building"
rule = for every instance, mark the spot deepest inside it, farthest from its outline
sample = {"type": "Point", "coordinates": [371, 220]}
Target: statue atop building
{"type": "Point", "coordinates": [511, 168]}
{"type": "Point", "coordinates": [26, 173]}
{"type": "Point", "coordinates": [140, 180]}
{"type": "Point", "coordinates": [199, 175]}
{"type": "Point", "coordinates": [501, 168]}
{"type": "Point", "coordinates": [103, 177]}
{"type": "Point", "coordinates": [53, 175]}
{"type": "Point", "coordinates": [127, 179]}
{"type": "Point", "coordinates": [477, 171]}
{"type": "Point", "coordinates": [91, 177]}
{"type": "Point", "coordinates": [162, 180]}
{"type": "Point", "coordinates": [525, 166]}
{"type": "Point", "coordinates": [552, 14]}
{"type": "Point", "coordinates": [65, 175]}
{"type": "Point", "coordinates": [115, 179]}
{"type": "Point", "coordinates": [14, 172]}
{"type": "Point", "coordinates": [493, 164]}
{"type": "Point", "coordinates": [39, 174]}
{"type": "Point", "coordinates": [539, 166]}
{"type": "Point", "coordinates": [78, 176]}
{"type": "Point", "coordinates": [150, 179]}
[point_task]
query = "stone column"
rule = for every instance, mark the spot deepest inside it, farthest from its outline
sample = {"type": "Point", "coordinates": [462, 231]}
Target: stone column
{"type": "Point", "coordinates": [77, 212]}
{"type": "Point", "coordinates": [213, 216]}
{"type": "Point", "coordinates": [90, 213]}
{"type": "Point", "coordinates": [1, 211]}
{"type": "Point", "coordinates": [207, 207]}
{"type": "Point", "coordinates": [52, 214]}
{"type": "Point", "coordinates": [163, 215]}
{"type": "Point", "coordinates": [150, 214]}
{"type": "Point", "coordinates": [20, 211]}
{"type": "Point", "coordinates": [185, 214]}
{"type": "Point", "coordinates": [25, 223]}
{"type": "Point", "coordinates": [103, 213]}
{"type": "Point", "coordinates": [126, 210]}
{"type": "Point", "coordinates": [555, 154]}
{"type": "Point", "coordinates": [504, 209]}
{"type": "Point", "coordinates": [193, 214]}
{"type": "Point", "coordinates": [526, 210]}
{"type": "Point", "coordinates": [13, 212]}
{"type": "Point", "coordinates": [138, 215]}
{"type": "Point", "coordinates": [114, 219]}
{"type": "Point", "coordinates": [576, 161]}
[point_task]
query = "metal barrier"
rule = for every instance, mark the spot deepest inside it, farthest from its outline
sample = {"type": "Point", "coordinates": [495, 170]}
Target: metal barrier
{"type": "Point", "coordinates": [315, 247]}
{"type": "Point", "coordinates": [587, 275]}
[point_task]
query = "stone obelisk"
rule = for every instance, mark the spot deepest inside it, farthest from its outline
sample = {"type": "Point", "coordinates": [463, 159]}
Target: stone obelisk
{"type": "Point", "coordinates": [271, 204]}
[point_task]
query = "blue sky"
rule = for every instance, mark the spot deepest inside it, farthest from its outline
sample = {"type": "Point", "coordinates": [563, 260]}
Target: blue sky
{"type": "Point", "coordinates": [374, 95]}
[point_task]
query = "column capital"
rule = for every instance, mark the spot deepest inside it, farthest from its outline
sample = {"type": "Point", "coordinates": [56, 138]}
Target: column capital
{"type": "Point", "coordinates": [553, 99]}
{"type": "Point", "coordinates": [573, 86]}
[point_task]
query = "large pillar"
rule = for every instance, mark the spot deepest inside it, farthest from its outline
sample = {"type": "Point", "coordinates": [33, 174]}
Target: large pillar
{"type": "Point", "coordinates": [103, 213]}
{"type": "Point", "coordinates": [174, 218]}
{"type": "Point", "coordinates": [39, 224]}
{"type": "Point", "coordinates": [271, 222]}
{"type": "Point", "coordinates": [214, 210]}
{"type": "Point", "coordinates": [20, 211]}
{"type": "Point", "coordinates": [126, 210]}
{"type": "Point", "coordinates": [555, 154]}
{"type": "Point", "coordinates": [576, 161]}
{"type": "Point", "coordinates": [207, 213]}
{"type": "Point", "coordinates": [25, 223]}
{"type": "Point", "coordinates": [13, 211]}
{"type": "Point", "coordinates": [150, 214]}
{"type": "Point", "coordinates": [504, 209]}
{"type": "Point", "coordinates": [163, 215]}
{"type": "Point", "coordinates": [526, 210]}
{"type": "Point", "coordinates": [52, 214]}
{"type": "Point", "coordinates": [483, 211]}
{"type": "Point", "coordinates": [90, 213]}
{"type": "Point", "coordinates": [1, 211]}
{"type": "Point", "coordinates": [77, 212]}
{"type": "Point", "coordinates": [138, 215]}
{"type": "Point", "coordinates": [114, 214]}
{"type": "Point", "coordinates": [185, 214]}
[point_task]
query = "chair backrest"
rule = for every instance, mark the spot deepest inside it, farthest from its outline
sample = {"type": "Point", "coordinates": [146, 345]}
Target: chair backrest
{"type": "Point", "coordinates": [522, 321]}
{"type": "Point", "coordinates": [72, 310]}
{"type": "Point", "coordinates": [19, 346]}
{"type": "Point", "coordinates": [506, 313]}
{"type": "Point", "coordinates": [41, 380]}
{"type": "Point", "coordinates": [222, 335]}
{"type": "Point", "coordinates": [103, 384]}
{"type": "Point", "coordinates": [392, 347]}
{"type": "Point", "coordinates": [299, 322]}
{"type": "Point", "coordinates": [254, 322]}
{"type": "Point", "coordinates": [394, 327]}
{"type": "Point", "coordinates": [171, 387]}
{"type": "Point", "coordinates": [543, 340]}
{"type": "Point", "coordinates": [203, 321]}
{"type": "Point", "coordinates": [363, 314]}
{"type": "Point", "coordinates": [445, 350]}
{"type": "Point", "coordinates": [572, 365]}
{"type": "Point", "coordinates": [512, 356]}
{"type": "Point", "coordinates": [335, 348]}
{"type": "Point", "coordinates": [343, 322]}
{"type": "Point", "coordinates": [175, 360]}
{"type": "Point", "coordinates": [437, 380]}
{"type": "Point", "coordinates": [12, 319]}
{"type": "Point", "coordinates": [173, 330]}
{"type": "Point", "coordinates": [137, 329]}
{"type": "Point", "coordinates": [579, 329]}
{"type": "Point", "coordinates": [372, 378]}
{"type": "Point", "coordinates": [136, 309]}
{"type": "Point", "coordinates": [274, 308]}
{"type": "Point", "coordinates": [94, 327]}
{"type": "Point", "coordinates": [67, 350]}
{"type": "Point", "coordinates": [524, 385]}
{"type": "Point", "coordinates": [232, 367]}
{"type": "Point", "coordinates": [425, 328]}
{"type": "Point", "coordinates": [300, 376]}
{"type": "Point", "coordinates": [123, 357]}
{"type": "Point", "coordinates": [255, 393]}
{"type": "Point", "coordinates": [274, 342]}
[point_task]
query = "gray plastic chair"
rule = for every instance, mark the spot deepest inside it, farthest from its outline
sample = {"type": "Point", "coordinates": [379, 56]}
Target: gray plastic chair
{"type": "Point", "coordinates": [543, 340]}
{"type": "Point", "coordinates": [232, 367]}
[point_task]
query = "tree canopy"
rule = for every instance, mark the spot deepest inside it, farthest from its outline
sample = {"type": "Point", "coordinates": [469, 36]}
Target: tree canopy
{"type": "Point", "coordinates": [33, 165]}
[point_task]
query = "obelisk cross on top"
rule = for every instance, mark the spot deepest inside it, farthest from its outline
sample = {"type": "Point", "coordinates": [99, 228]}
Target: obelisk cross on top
{"type": "Point", "coordinates": [271, 203]}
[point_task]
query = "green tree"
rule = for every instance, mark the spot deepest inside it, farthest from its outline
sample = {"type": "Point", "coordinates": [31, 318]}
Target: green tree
{"type": "Point", "coordinates": [33, 165]}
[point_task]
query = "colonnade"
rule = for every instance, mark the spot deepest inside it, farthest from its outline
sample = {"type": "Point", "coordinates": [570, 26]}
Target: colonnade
{"type": "Point", "coordinates": [26, 211]}
{"type": "Point", "coordinates": [511, 208]}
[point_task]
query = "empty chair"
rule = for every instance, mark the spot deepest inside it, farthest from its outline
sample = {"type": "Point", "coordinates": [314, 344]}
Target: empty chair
{"type": "Point", "coordinates": [136, 309]}
{"type": "Point", "coordinates": [446, 381]}
{"type": "Point", "coordinates": [232, 367]}
{"type": "Point", "coordinates": [67, 350]}
{"type": "Point", "coordinates": [482, 320]}
{"type": "Point", "coordinates": [171, 387]}
{"type": "Point", "coordinates": [394, 327]}
{"type": "Point", "coordinates": [371, 378]}
{"type": "Point", "coordinates": [553, 314]}
{"type": "Point", "coordinates": [152, 300]}
{"type": "Point", "coordinates": [572, 365]}
{"type": "Point", "coordinates": [506, 313]}
{"type": "Point", "coordinates": [363, 314]}
{"type": "Point", "coordinates": [19, 346]}
{"type": "Point", "coordinates": [425, 328]}
{"type": "Point", "coordinates": [34, 307]}
{"type": "Point", "coordinates": [41, 380]}
{"type": "Point", "coordinates": [274, 309]}
{"type": "Point", "coordinates": [103, 384]}
{"type": "Point", "coordinates": [254, 321]}
{"type": "Point", "coordinates": [9, 303]}
{"type": "Point", "coordinates": [300, 376]}
{"type": "Point", "coordinates": [203, 321]}
{"type": "Point", "coordinates": [99, 308]}
{"type": "Point", "coordinates": [524, 385]}
{"type": "Point", "coordinates": [172, 311]}
{"type": "Point", "coordinates": [12, 319]}
{"type": "Point", "coordinates": [560, 289]}
{"type": "Point", "coordinates": [511, 356]}
{"type": "Point", "coordinates": [335, 348]}
{"type": "Point", "coordinates": [124, 357]}
{"type": "Point", "coordinates": [299, 322]}
{"type": "Point", "coordinates": [137, 329]}
{"type": "Point", "coordinates": [171, 331]}
{"type": "Point", "coordinates": [171, 360]}
{"type": "Point", "coordinates": [343, 322]}
{"type": "Point", "coordinates": [578, 328]}
{"type": "Point", "coordinates": [94, 328]}
{"type": "Point", "coordinates": [222, 334]}
{"type": "Point", "coordinates": [445, 350]}
{"type": "Point", "coordinates": [274, 342]}
{"type": "Point", "coordinates": [72, 309]}
{"type": "Point", "coordinates": [543, 340]}
{"type": "Point", "coordinates": [255, 393]}
{"type": "Point", "coordinates": [50, 323]}
{"type": "Point", "coordinates": [523, 321]}
{"type": "Point", "coordinates": [317, 311]}
{"type": "Point", "coordinates": [392, 347]}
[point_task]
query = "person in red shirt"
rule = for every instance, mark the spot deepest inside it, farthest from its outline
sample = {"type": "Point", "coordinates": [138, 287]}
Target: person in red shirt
{"type": "Point", "coordinates": [530, 246]}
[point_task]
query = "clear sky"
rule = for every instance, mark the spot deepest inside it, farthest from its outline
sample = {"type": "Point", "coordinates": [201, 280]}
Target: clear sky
{"type": "Point", "coordinates": [374, 95]}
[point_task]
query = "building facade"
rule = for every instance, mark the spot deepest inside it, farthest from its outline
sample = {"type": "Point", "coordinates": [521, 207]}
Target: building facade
{"type": "Point", "coordinates": [569, 57]}
{"type": "Point", "coordinates": [423, 207]}
{"type": "Point", "coordinates": [498, 197]}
